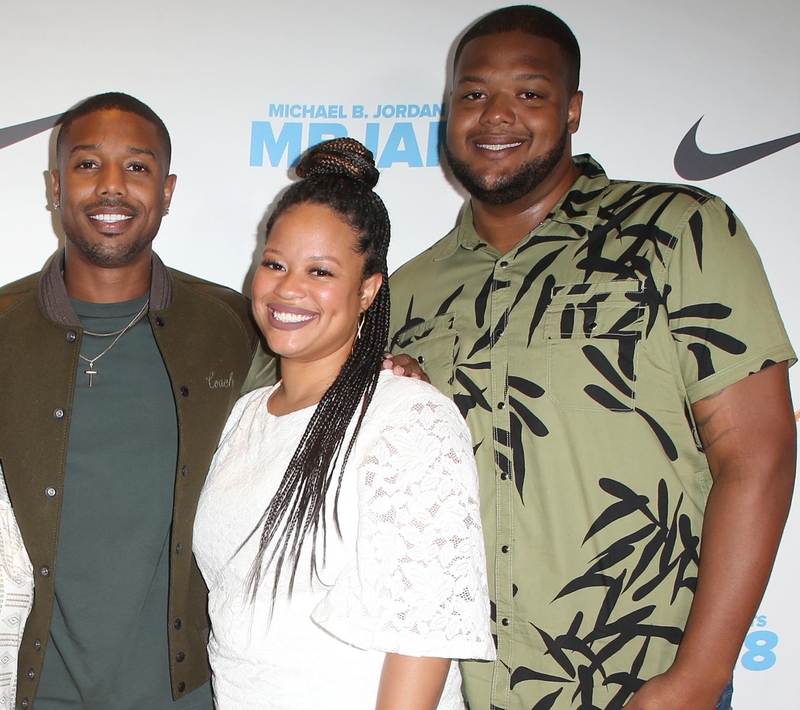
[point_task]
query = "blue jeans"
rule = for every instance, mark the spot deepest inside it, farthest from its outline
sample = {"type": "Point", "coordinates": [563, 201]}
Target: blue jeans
{"type": "Point", "coordinates": [727, 696]}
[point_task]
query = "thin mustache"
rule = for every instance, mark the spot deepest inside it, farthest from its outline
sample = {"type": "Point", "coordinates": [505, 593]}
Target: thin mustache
{"type": "Point", "coordinates": [111, 202]}
{"type": "Point", "coordinates": [14, 134]}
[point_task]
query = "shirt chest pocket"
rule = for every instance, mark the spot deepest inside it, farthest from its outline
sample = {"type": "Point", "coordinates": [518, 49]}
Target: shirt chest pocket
{"type": "Point", "coordinates": [592, 333]}
{"type": "Point", "coordinates": [433, 343]}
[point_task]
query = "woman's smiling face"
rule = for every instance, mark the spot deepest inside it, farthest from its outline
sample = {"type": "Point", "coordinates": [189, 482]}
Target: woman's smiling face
{"type": "Point", "coordinates": [309, 291]}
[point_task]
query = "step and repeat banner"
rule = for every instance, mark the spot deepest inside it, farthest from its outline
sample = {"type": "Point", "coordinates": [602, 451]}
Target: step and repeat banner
{"type": "Point", "coordinates": [707, 93]}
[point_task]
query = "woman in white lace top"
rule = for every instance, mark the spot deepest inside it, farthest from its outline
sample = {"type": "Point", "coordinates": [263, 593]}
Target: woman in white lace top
{"type": "Point", "coordinates": [338, 530]}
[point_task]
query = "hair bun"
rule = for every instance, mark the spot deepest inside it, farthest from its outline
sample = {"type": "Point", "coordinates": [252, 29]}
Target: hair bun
{"type": "Point", "coordinates": [340, 156]}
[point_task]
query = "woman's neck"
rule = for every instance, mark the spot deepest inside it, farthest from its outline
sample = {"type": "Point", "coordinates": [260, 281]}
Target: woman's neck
{"type": "Point", "coordinates": [302, 385]}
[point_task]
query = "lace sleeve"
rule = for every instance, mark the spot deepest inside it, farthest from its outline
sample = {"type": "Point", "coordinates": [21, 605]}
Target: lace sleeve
{"type": "Point", "coordinates": [418, 586]}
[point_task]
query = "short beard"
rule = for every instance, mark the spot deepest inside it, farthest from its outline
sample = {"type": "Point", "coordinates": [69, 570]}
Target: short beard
{"type": "Point", "coordinates": [514, 186]}
{"type": "Point", "coordinates": [107, 255]}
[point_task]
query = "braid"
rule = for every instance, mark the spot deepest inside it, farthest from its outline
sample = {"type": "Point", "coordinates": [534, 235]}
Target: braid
{"type": "Point", "coordinates": [339, 174]}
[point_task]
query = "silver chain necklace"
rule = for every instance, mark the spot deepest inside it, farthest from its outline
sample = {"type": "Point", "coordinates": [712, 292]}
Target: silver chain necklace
{"type": "Point", "coordinates": [119, 333]}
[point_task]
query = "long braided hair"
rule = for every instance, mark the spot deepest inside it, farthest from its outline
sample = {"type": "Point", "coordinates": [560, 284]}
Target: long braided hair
{"type": "Point", "coordinates": [339, 174]}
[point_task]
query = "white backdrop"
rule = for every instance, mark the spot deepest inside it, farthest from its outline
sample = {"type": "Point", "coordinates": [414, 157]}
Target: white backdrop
{"type": "Point", "coordinates": [233, 80]}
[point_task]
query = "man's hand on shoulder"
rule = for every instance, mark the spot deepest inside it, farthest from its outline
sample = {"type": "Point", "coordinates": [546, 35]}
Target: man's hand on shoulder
{"type": "Point", "coordinates": [405, 366]}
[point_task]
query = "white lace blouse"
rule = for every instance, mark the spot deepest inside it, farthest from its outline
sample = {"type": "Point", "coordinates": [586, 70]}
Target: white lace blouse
{"type": "Point", "coordinates": [407, 576]}
{"type": "Point", "coordinates": [16, 596]}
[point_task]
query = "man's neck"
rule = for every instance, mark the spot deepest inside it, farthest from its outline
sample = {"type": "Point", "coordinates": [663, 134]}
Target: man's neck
{"type": "Point", "coordinates": [95, 284]}
{"type": "Point", "coordinates": [504, 226]}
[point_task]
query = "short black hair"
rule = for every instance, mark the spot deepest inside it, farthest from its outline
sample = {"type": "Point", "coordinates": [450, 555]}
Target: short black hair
{"type": "Point", "coordinates": [535, 21]}
{"type": "Point", "coordinates": [114, 101]}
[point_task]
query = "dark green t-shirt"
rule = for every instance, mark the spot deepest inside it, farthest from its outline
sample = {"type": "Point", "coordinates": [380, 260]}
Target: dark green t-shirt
{"type": "Point", "coordinates": [108, 638]}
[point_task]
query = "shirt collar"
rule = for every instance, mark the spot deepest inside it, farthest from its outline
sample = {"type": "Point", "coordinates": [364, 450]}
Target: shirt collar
{"type": "Point", "coordinates": [577, 206]}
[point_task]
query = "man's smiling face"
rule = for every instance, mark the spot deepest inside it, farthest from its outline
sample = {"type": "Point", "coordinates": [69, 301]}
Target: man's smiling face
{"type": "Point", "coordinates": [113, 187]}
{"type": "Point", "coordinates": [511, 116]}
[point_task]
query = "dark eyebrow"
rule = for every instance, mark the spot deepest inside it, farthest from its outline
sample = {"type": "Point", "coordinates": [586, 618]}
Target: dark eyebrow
{"type": "Point", "coordinates": [471, 79]}
{"type": "Point", "coordinates": [89, 147]}
{"type": "Point", "coordinates": [313, 257]}
{"type": "Point", "coordinates": [83, 147]}
{"type": "Point", "coordinates": [143, 151]}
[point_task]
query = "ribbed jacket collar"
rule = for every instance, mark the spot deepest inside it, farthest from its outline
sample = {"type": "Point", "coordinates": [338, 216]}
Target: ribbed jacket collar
{"type": "Point", "coordinates": [53, 298]}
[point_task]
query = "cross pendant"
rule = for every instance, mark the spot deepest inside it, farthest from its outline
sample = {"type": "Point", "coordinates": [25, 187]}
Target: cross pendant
{"type": "Point", "coordinates": [91, 372]}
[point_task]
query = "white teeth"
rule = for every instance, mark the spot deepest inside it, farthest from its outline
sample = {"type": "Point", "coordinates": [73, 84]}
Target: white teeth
{"type": "Point", "coordinates": [503, 146]}
{"type": "Point", "coordinates": [110, 217]}
{"type": "Point", "coordinates": [284, 317]}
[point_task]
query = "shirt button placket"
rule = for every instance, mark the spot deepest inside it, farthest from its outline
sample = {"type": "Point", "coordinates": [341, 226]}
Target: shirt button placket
{"type": "Point", "coordinates": [502, 295]}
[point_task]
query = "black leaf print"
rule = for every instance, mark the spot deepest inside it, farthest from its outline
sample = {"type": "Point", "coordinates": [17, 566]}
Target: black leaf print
{"type": "Point", "coordinates": [575, 626]}
{"type": "Point", "coordinates": [600, 363]}
{"type": "Point", "coordinates": [585, 688]}
{"type": "Point", "coordinates": [502, 324]}
{"type": "Point", "coordinates": [648, 555]}
{"type": "Point", "coordinates": [638, 662]}
{"type": "Point", "coordinates": [501, 436]}
{"type": "Point", "coordinates": [583, 582]}
{"type": "Point", "coordinates": [702, 355]}
{"type": "Point", "coordinates": [631, 539]}
{"type": "Point", "coordinates": [474, 391]}
{"type": "Point", "coordinates": [538, 269]}
{"type": "Point", "coordinates": [688, 539]}
{"type": "Point", "coordinates": [502, 462]}
{"type": "Point", "coordinates": [578, 645]}
{"type": "Point", "coordinates": [607, 400]}
{"type": "Point", "coordinates": [663, 502]}
{"type": "Point", "coordinates": [731, 221]}
{"type": "Point", "coordinates": [481, 301]}
{"type": "Point", "coordinates": [630, 317]}
{"type": "Point", "coordinates": [659, 577]}
{"type": "Point", "coordinates": [663, 438]}
{"type": "Point", "coordinates": [624, 624]}
{"type": "Point", "coordinates": [615, 512]}
{"type": "Point", "coordinates": [696, 228]}
{"type": "Point", "coordinates": [548, 701]}
{"type": "Point", "coordinates": [518, 454]}
{"type": "Point", "coordinates": [447, 303]}
{"type": "Point", "coordinates": [711, 311]}
{"type": "Point", "coordinates": [556, 652]}
{"type": "Point", "coordinates": [625, 357]}
{"type": "Point", "coordinates": [612, 597]}
{"type": "Point", "coordinates": [528, 388]}
{"type": "Point", "coordinates": [521, 674]}
{"type": "Point", "coordinates": [721, 340]}
{"type": "Point", "coordinates": [409, 323]}
{"type": "Point", "coordinates": [567, 321]}
{"type": "Point", "coordinates": [534, 424]}
{"type": "Point", "coordinates": [464, 403]}
{"type": "Point", "coordinates": [612, 556]}
{"type": "Point", "coordinates": [480, 343]}
{"type": "Point", "coordinates": [545, 296]}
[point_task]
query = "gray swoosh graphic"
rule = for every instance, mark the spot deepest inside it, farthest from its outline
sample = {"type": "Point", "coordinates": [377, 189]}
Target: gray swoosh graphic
{"type": "Point", "coordinates": [691, 163]}
{"type": "Point", "coordinates": [14, 134]}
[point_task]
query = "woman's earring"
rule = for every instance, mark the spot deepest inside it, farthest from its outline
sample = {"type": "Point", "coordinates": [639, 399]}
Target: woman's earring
{"type": "Point", "coordinates": [360, 324]}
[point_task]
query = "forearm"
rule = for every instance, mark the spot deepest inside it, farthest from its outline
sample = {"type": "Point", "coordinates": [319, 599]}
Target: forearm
{"type": "Point", "coordinates": [749, 435]}
{"type": "Point", "coordinates": [411, 683]}
{"type": "Point", "coordinates": [743, 523]}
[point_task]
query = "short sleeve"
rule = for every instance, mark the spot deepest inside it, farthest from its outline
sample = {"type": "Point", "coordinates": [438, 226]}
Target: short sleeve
{"type": "Point", "coordinates": [418, 586]}
{"type": "Point", "coordinates": [722, 314]}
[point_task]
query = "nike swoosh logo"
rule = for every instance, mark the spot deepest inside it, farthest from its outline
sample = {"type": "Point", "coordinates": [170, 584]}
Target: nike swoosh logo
{"type": "Point", "coordinates": [14, 134]}
{"type": "Point", "coordinates": [691, 163]}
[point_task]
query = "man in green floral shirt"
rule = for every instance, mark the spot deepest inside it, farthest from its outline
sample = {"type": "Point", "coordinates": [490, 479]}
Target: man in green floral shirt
{"type": "Point", "coordinates": [616, 351]}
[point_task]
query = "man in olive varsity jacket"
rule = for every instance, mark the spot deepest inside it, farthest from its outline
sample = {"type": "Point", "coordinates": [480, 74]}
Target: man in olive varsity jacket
{"type": "Point", "coordinates": [117, 375]}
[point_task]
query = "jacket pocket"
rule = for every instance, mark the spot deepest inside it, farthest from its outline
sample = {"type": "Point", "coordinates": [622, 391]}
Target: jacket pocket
{"type": "Point", "coordinates": [433, 343]}
{"type": "Point", "coordinates": [593, 332]}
